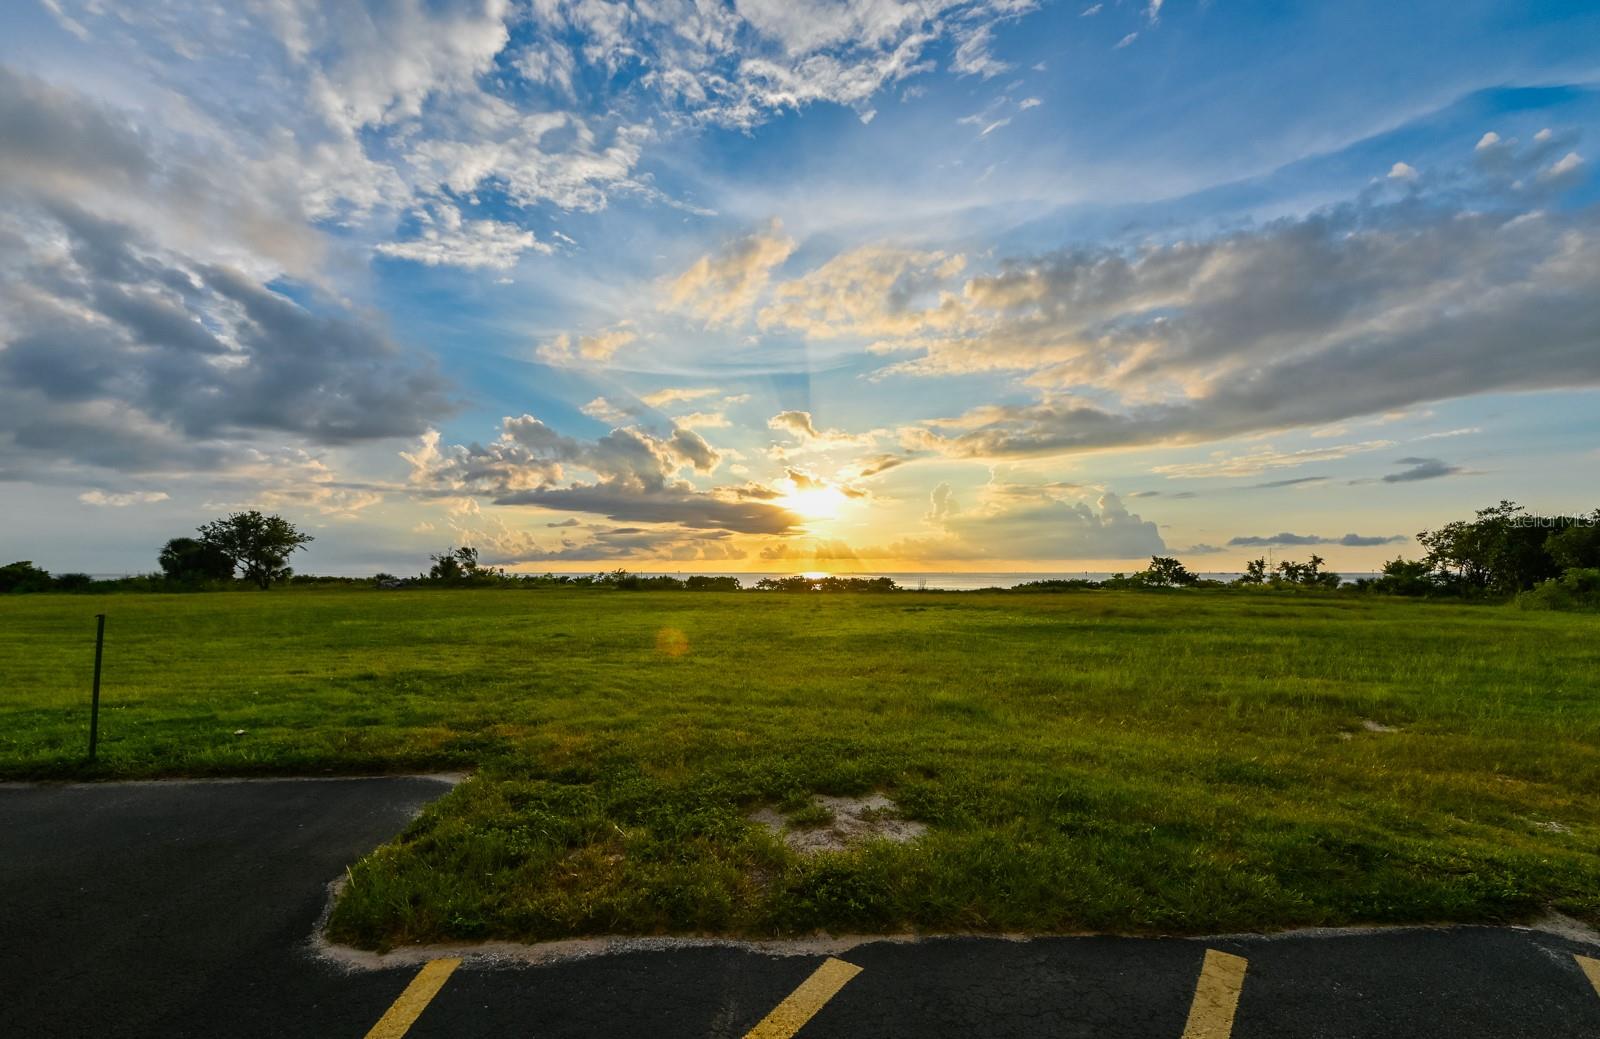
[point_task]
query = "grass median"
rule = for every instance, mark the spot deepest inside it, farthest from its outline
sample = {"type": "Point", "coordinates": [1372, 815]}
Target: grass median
{"type": "Point", "coordinates": [1194, 761]}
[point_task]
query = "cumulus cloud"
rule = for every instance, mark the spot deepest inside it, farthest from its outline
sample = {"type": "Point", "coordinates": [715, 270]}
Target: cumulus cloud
{"type": "Point", "coordinates": [598, 347]}
{"type": "Point", "coordinates": [1355, 310]}
{"type": "Point", "coordinates": [722, 286]}
{"type": "Point", "coordinates": [874, 290]}
{"type": "Point", "coordinates": [628, 475]}
{"type": "Point", "coordinates": [1018, 521]}
{"type": "Point", "coordinates": [122, 354]}
{"type": "Point", "coordinates": [796, 423]}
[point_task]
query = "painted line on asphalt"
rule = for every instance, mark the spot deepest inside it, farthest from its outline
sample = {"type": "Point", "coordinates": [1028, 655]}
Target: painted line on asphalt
{"type": "Point", "coordinates": [399, 1018]}
{"type": "Point", "coordinates": [1591, 967]}
{"type": "Point", "coordinates": [1216, 997]}
{"type": "Point", "coordinates": [802, 1004]}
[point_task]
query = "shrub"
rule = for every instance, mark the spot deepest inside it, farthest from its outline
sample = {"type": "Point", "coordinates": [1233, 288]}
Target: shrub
{"type": "Point", "coordinates": [1576, 589]}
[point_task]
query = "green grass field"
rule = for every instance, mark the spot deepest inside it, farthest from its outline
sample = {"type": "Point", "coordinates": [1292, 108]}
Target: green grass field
{"type": "Point", "coordinates": [1107, 761]}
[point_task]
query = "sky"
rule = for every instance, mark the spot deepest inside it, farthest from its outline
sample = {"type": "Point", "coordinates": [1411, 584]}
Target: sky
{"type": "Point", "coordinates": [791, 285]}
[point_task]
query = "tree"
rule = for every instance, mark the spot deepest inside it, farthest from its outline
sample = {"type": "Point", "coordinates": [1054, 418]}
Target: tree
{"type": "Point", "coordinates": [1406, 577]}
{"type": "Point", "coordinates": [1308, 574]}
{"type": "Point", "coordinates": [258, 546]}
{"type": "Point", "coordinates": [1500, 552]}
{"type": "Point", "coordinates": [1578, 546]}
{"type": "Point", "coordinates": [192, 561]}
{"type": "Point", "coordinates": [1255, 572]}
{"type": "Point", "coordinates": [23, 576]}
{"type": "Point", "coordinates": [454, 564]}
{"type": "Point", "coordinates": [1166, 572]}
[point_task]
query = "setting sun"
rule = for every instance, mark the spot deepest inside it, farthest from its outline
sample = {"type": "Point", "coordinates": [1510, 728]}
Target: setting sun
{"type": "Point", "coordinates": [815, 502]}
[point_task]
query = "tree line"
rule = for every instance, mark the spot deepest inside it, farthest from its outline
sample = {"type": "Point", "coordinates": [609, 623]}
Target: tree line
{"type": "Point", "coordinates": [1504, 552]}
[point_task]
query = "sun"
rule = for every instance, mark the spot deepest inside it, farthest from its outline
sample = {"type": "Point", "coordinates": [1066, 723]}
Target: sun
{"type": "Point", "coordinates": [815, 502]}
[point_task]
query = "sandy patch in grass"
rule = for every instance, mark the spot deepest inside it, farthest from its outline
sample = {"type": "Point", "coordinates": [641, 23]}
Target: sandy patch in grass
{"type": "Point", "coordinates": [854, 820]}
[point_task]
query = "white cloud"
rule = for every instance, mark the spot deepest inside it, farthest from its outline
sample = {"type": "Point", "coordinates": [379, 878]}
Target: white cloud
{"type": "Point", "coordinates": [122, 499]}
{"type": "Point", "coordinates": [723, 286]}
{"type": "Point", "coordinates": [597, 347]}
{"type": "Point", "coordinates": [1265, 459]}
{"type": "Point", "coordinates": [449, 240]}
{"type": "Point", "coordinates": [678, 394]}
{"type": "Point", "coordinates": [1402, 171]}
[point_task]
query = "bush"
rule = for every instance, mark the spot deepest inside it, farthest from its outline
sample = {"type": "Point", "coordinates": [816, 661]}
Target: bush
{"type": "Point", "coordinates": [1576, 589]}
{"type": "Point", "coordinates": [707, 583]}
{"type": "Point", "coordinates": [1404, 577]}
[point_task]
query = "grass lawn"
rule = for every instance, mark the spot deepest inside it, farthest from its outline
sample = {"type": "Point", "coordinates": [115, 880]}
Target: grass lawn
{"type": "Point", "coordinates": [1111, 761]}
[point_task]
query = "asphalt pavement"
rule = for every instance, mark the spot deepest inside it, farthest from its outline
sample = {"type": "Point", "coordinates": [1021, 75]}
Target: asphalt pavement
{"type": "Point", "coordinates": [189, 909]}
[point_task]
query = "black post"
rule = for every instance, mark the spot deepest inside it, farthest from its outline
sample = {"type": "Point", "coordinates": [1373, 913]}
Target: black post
{"type": "Point", "coordinates": [94, 703]}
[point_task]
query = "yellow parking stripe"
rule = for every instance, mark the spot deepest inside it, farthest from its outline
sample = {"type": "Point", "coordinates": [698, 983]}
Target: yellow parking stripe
{"type": "Point", "coordinates": [414, 1000]}
{"type": "Point", "coordinates": [790, 1016]}
{"type": "Point", "coordinates": [1216, 997]}
{"type": "Point", "coordinates": [1590, 967]}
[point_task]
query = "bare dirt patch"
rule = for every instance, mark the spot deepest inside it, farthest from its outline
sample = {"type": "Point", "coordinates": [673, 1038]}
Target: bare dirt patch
{"type": "Point", "coordinates": [853, 821]}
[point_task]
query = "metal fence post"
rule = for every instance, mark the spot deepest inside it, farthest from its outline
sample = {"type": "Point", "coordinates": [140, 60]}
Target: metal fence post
{"type": "Point", "coordinates": [94, 703]}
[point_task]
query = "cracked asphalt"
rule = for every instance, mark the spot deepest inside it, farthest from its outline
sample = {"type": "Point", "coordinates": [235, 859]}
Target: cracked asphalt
{"type": "Point", "coordinates": [187, 909]}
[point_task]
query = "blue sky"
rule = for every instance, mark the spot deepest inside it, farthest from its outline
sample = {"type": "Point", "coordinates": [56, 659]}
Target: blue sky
{"type": "Point", "coordinates": [863, 284]}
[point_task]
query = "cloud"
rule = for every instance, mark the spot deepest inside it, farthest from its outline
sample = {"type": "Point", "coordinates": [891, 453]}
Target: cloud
{"type": "Point", "coordinates": [797, 423]}
{"type": "Point", "coordinates": [447, 239]}
{"type": "Point", "coordinates": [604, 410]}
{"type": "Point", "coordinates": [122, 354]}
{"type": "Point", "coordinates": [1402, 171]}
{"type": "Point", "coordinates": [803, 430]}
{"type": "Point", "coordinates": [1286, 539]}
{"type": "Point", "coordinates": [878, 464]}
{"type": "Point", "coordinates": [1126, 40]}
{"type": "Point", "coordinates": [1028, 522]}
{"type": "Point", "coordinates": [972, 57]}
{"type": "Point", "coordinates": [723, 286]}
{"type": "Point", "coordinates": [1298, 481]}
{"type": "Point", "coordinates": [874, 290]}
{"type": "Point", "coordinates": [810, 550]}
{"type": "Point", "coordinates": [1265, 459]}
{"type": "Point", "coordinates": [941, 504]}
{"type": "Point", "coordinates": [1422, 469]}
{"type": "Point", "coordinates": [636, 477]}
{"type": "Point", "coordinates": [1355, 310]}
{"type": "Point", "coordinates": [597, 347]}
{"type": "Point", "coordinates": [118, 500]}
{"type": "Point", "coordinates": [678, 394]}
